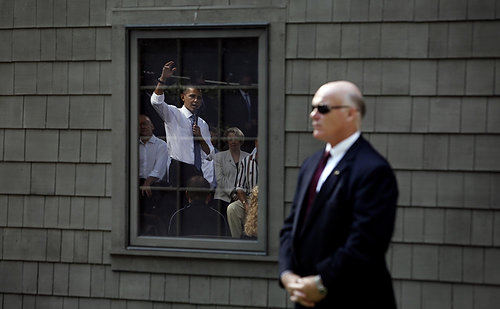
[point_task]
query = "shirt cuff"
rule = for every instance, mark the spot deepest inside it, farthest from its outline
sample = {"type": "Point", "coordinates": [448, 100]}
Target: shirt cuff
{"type": "Point", "coordinates": [155, 174]}
{"type": "Point", "coordinates": [284, 273]}
{"type": "Point", "coordinates": [155, 99]}
{"type": "Point", "coordinates": [210, 155]}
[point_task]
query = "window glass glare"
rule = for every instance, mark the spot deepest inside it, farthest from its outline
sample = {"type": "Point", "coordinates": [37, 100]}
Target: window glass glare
{"type": "Point", "coordinates": [198, 147]}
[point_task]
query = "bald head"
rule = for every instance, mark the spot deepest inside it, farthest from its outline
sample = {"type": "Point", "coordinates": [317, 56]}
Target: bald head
{"type": "Point", "coordinates": [345, 92]}
{"type": "Point", "coordinates": [144, 118]}
{"type": "Point", "coordinates": [343, 116]}
{"type": "Point", "coordinates": [145, 127]}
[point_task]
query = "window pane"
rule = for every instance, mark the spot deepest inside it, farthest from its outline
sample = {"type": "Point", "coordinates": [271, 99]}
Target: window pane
{"type": "Point", "coordinates": [198, 168]}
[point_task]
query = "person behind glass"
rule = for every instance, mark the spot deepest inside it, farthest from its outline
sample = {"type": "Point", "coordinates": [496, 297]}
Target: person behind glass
{"type": "Point", "coordinates": [241, 106]}
{"type": "Point", "coordinates": [214, 136]}
{"type": "Point", "coordinates": [246, 180]}
{"type": "Point", "coordinates": [226, 167]}
{"type": "Point", "coordinates": [197, 218]}
{"type": "Point", "coordinates": [153, 166]}
{"type": "Point", "coordinates": [209, 109]}
{"type": "Point", "coordinates": [188, 136]}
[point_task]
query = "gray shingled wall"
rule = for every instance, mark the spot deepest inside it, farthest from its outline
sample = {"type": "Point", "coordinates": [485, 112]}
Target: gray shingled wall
{"type": "Point", "coordinates": [430, 71]}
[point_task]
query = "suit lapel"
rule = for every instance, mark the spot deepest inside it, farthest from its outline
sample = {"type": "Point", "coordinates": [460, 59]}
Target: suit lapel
{"type": "Point", "coordinates": [330, 183]}
{"type": "Point", "coordinates": [304, 186]}
{"type": "Point", "coordinates": [229, 157]}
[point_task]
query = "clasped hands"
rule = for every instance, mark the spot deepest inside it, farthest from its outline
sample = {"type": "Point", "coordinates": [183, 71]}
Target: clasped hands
{"type": "Point", "coordinates": [302, 290]}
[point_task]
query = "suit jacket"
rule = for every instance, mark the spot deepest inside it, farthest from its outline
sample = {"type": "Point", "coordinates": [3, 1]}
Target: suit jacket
{"type": "Point", "coordinates": [225, 173]}
{"type": "Point", "coordinates": [236, 114]}
{"type": "Point", "coordinates": [347, 232]}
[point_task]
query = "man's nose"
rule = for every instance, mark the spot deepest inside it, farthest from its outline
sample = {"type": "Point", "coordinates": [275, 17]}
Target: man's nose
{"type": "Point", "coordinates": [314, 114]}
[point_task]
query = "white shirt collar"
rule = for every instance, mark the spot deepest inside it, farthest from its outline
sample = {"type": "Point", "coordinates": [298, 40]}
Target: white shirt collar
{"type": "Point", "coordinates": [343, 146]}
{"type": "Point", "coordinates": [151, 140]}
{"type": "Point", "coordinates": [186, 112]}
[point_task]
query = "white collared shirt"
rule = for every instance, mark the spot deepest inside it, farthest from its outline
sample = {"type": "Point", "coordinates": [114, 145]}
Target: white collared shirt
{"type": "Point", "coordinates": [153, 158]}
{"type": "Point", "coordinates": [179, 133]}
{"type": "Point", "coordinates": [337, 152]}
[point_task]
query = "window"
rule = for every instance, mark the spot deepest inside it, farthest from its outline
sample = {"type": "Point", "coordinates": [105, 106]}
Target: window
{"type": "Point", "coordinates": [195, 168]}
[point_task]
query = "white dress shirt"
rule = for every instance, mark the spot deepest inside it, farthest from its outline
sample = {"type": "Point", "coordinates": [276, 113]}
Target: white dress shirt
{"type": "Point", "coordinates": [336, 154]}
{"type": "Point", "coordinates": [179, 133]}
{"type": "Point", "coordinates": [153, 158]}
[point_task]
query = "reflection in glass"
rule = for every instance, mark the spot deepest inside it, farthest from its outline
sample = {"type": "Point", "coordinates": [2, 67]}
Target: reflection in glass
{"type": "Point", "coordinates": [199, 101]}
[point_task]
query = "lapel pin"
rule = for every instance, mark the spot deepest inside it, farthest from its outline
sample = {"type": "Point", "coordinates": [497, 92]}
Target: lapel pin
{"type": "Point", "coordinates": [336, 173]}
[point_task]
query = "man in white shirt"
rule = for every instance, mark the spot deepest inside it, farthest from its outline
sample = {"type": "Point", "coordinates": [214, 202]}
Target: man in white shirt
{"type": "Point", "coordinates": [153, 166]}
{"type": "Point", "coordinates": [153, 156]}
{"type": "Point", "coordinates": [188, 136]}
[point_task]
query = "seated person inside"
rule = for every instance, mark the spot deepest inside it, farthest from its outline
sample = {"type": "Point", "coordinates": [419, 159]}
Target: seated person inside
{"type": "Point", "coordinates": [153, 166]}
{"type": "Point", "coordinates": [197, 218]}
{"type": "Point", "coordinates": [246, 180]}
{"type": "Point", "coordinates": [226, 166]}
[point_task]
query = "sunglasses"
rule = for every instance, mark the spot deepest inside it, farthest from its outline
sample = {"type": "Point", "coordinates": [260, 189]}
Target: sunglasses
{"type": "Point", "coordinates": [325, 109]}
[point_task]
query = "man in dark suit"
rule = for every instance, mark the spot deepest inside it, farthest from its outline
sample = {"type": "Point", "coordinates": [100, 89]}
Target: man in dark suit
{"type": "Point", "coordinates": [333, 243]}
{"type": "Point", "coordinates": [240, 108]}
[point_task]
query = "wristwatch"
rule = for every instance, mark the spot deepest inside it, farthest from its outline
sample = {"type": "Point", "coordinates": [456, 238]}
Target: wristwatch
{"type": "Point", "coordinates": [319, 285]}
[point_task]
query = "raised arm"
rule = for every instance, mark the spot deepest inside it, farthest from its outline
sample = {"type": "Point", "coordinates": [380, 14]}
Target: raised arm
{"type": "Point", "coordinates": [157, 98]}
{"type": "Point", "coordinates": [167, 71]}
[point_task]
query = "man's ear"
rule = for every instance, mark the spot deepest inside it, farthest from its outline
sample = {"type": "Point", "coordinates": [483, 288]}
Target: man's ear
{"type": "Point", "coordinates": [351, 114]}
{"type": "Point", "coordinates": [183, 97]}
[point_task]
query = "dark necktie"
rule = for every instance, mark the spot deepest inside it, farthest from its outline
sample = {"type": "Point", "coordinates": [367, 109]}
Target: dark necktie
{"type": "Point", "coordinates": [314, 182]}
{"type": "Point", "coordinates": [196, 146]}
{"type": "Point", "coordinates": [248, 104]}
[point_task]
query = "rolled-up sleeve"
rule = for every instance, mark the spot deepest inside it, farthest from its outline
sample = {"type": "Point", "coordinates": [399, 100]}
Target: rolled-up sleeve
{"type": "Point", "coordinates": [205, 133]}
